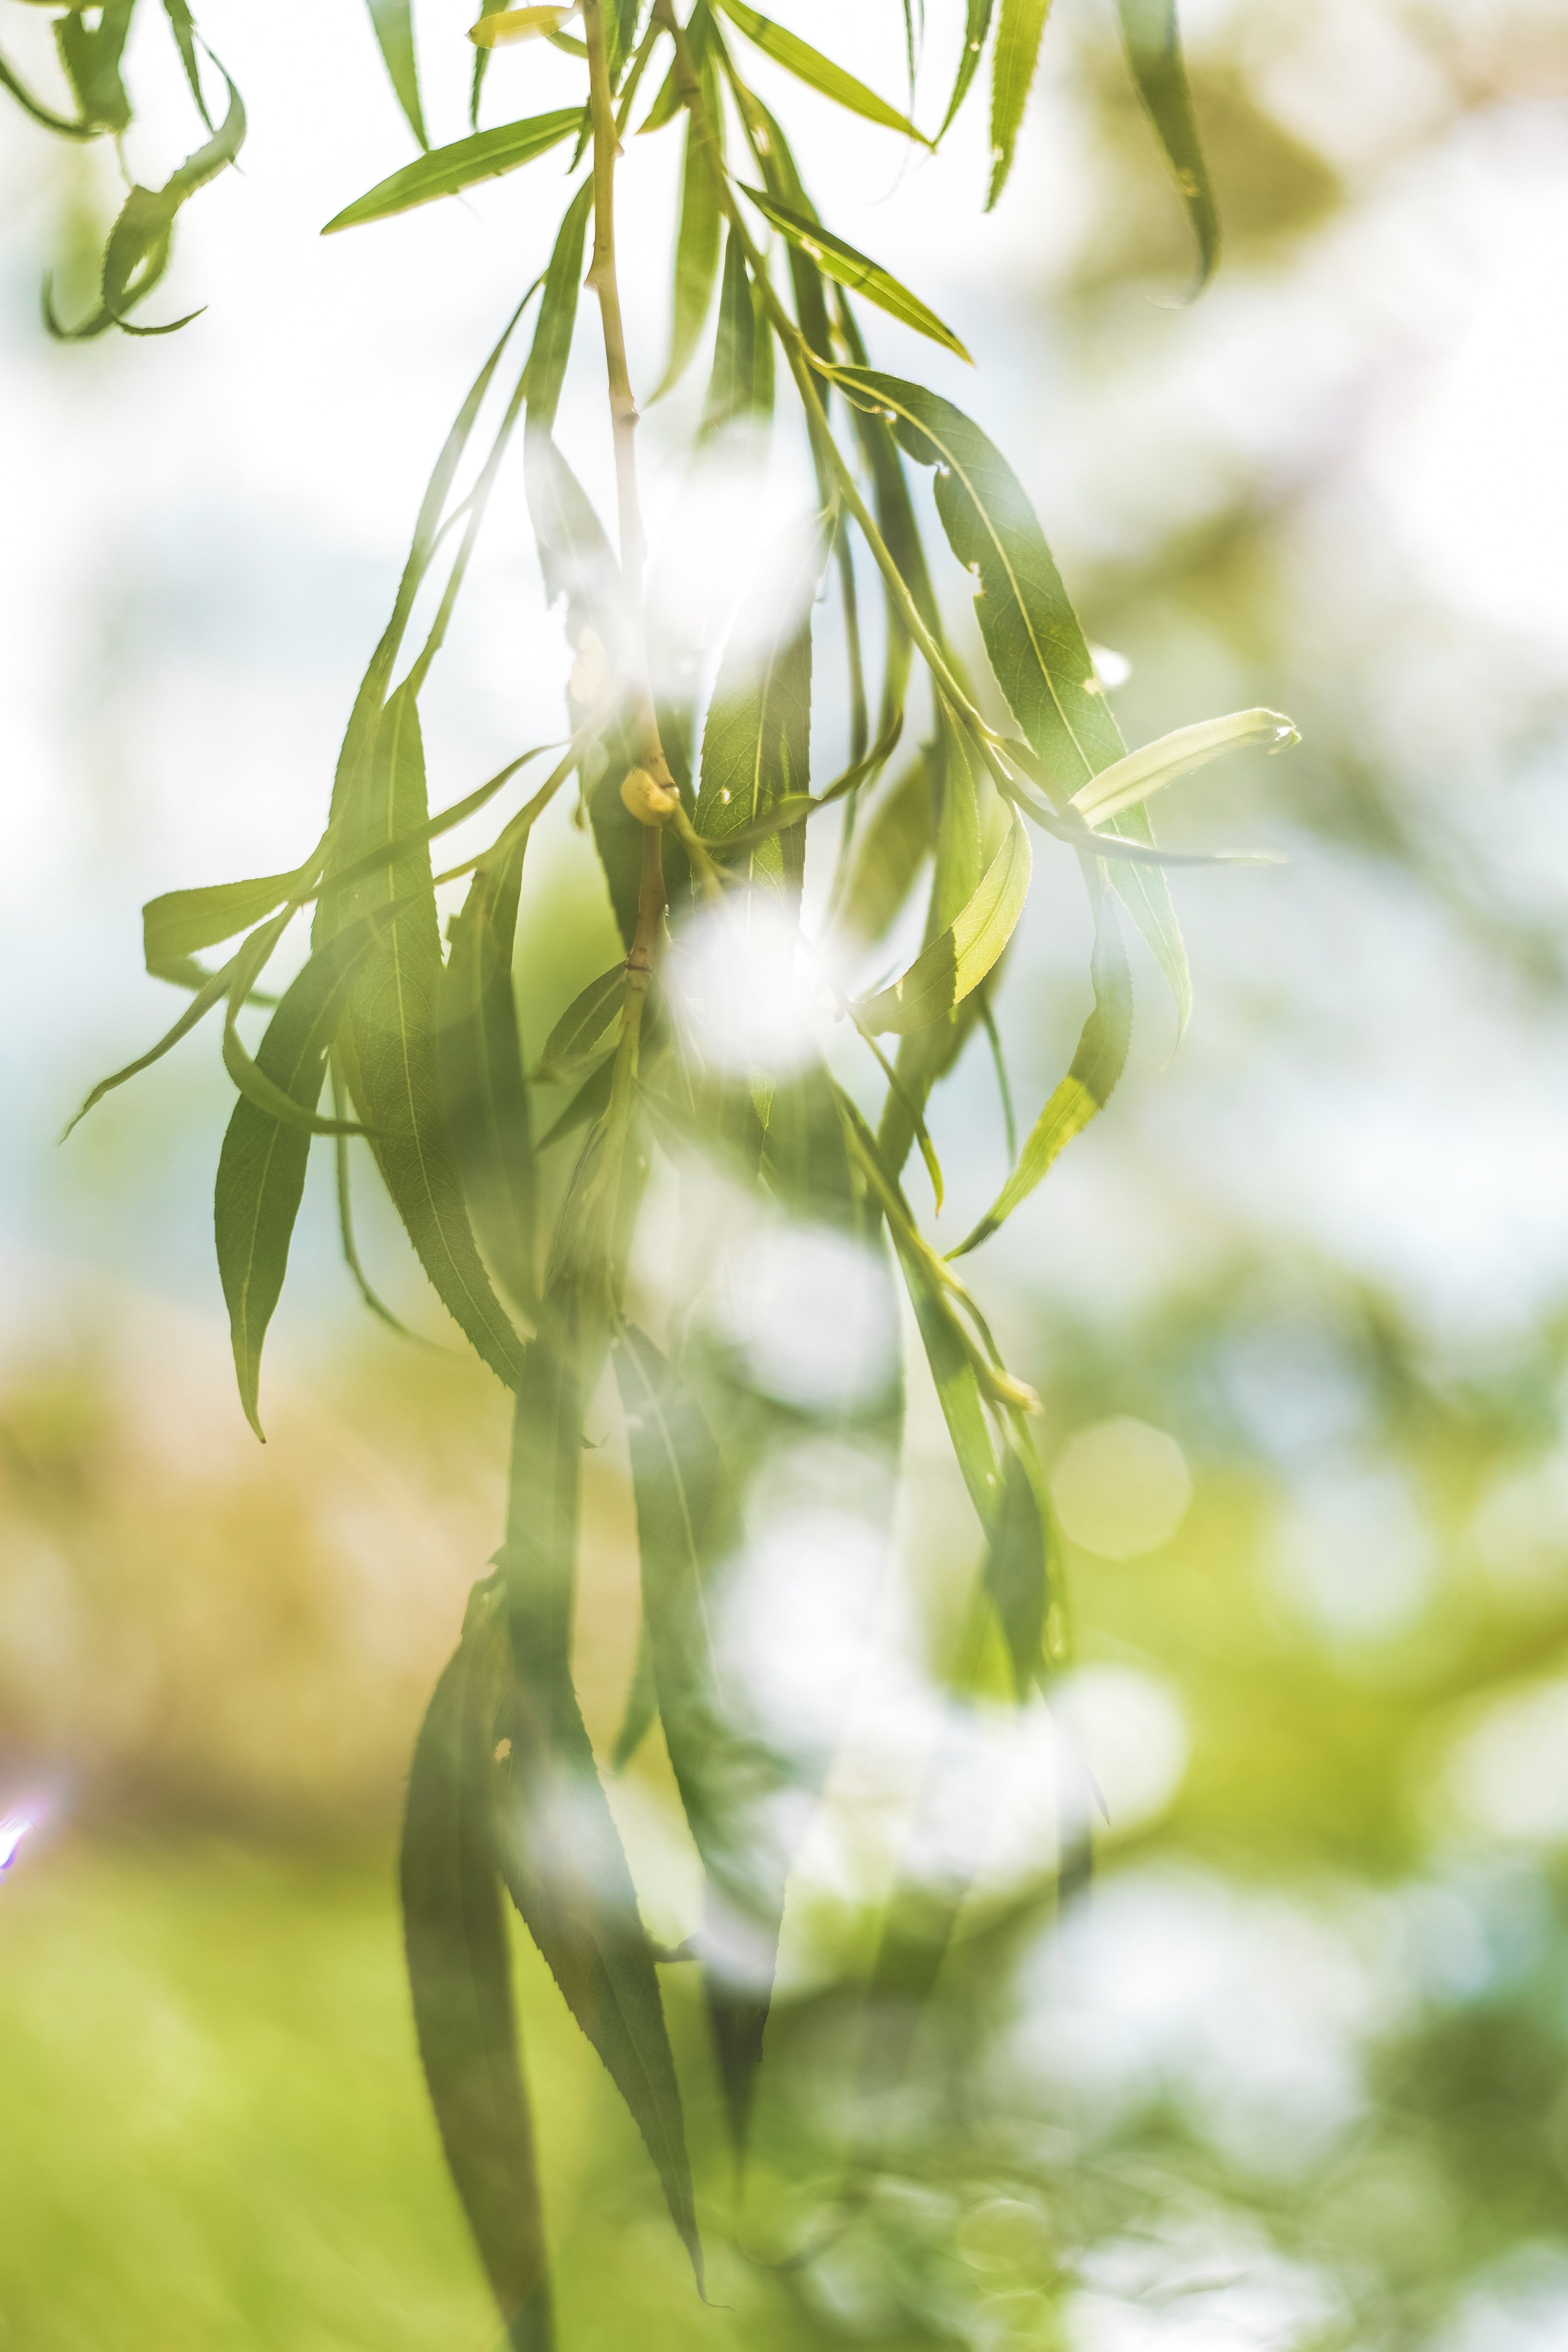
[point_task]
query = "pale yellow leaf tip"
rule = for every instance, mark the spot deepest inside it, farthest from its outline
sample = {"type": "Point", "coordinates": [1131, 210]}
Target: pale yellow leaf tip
{"type": "Point", "coordinates": [518, 24]}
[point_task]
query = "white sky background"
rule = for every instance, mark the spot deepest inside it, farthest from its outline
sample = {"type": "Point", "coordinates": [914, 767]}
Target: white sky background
{"type": "Point", "coordinates": [203, 535]}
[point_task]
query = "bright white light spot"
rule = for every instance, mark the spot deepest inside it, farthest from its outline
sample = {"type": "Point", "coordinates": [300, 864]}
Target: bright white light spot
{"type": "Point", "coordinates": [1507, 1772]}
{"type": "Point", "coordinates": [1111, 668]}
{"type": "Point", "coordinates": [732, 969]}
{"type": "Point", "coordinates": [1122, 1488]}
{"type": "Point", "coordinates": [813, 1316]}
{"type": "Point", "coordinates": [13, 1829]}
{"type": "Point", "coordinates": [1128, 1729]}
{"type": "Point", "coordinates": [795, 1614]}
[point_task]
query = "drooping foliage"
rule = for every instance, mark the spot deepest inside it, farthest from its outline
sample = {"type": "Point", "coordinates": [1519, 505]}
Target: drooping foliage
{"type": "Point", "coordinates": [695, 1056]}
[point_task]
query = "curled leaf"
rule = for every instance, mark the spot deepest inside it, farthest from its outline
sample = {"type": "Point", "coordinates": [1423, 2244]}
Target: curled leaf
{"type": "Point", "coordinates": [1131, 781]}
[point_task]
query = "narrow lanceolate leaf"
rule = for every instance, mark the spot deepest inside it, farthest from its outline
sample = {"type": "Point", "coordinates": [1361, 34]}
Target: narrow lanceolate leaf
{"type": "Point", "coordinates": [393, 24]}
{"type": "Point", "coordinates": [558, 1848]}
{"type": "Point", "coordinates": [696, 242]}
{"type": "Point", "coordinates": [447, 171]}
{"type": "Point", "coordinates": [756, 744]}
{"type": "Point", "coordinates": [809, 65]}
{"type": "Point", "coordinates": [500, 25]}
{"type": "Point", "coordinates": [959, 957]}
{"type": "Point", "coordinates": [1153, 43]}
{"type": "Point", "coordinates": [976, 27]}
{"type": "Point", "coordinates": [261, 1168]}
{"type": "Point", "coordinates": [1030, 630]}
{"type": "Point", "coordinates": [1089, 1085]}
{"type": "Point", "coordinates": [461, 1978]}
{"type": "Point", "coordinates": [846, 267]}
{"type": "Point", "coordinates": [213, 990]}
{"type": "Point", "coordinates": [731, 386]}
{"type": "Point", "coordinates": [1018, 1561]}
{"type": "Point", "coordinates": [62, 125]}
{"type": "Point", "coordinates": [642, 1705]}
{"type": "Point", "coordinates": [1128, 782]}
{"type": "Point", "coordinates": [390, 1049]}
{"type": "Point", "coordinates": [889, 852]}
{"type": "Point", "coordinates": [1018, 39]}
{"type": "Point", "coordinates": [585, 1029]}
{"type": "Point", "coordinates": [478, 1055]}
{"type": "Point", "coordinates": [686, 1521]}
{"type": "Point", "coordinates": [181, 24]}
{"type": "Point", "coordinates": [139, 243]}
{"type": "Point", "coordinates": [182, 922]}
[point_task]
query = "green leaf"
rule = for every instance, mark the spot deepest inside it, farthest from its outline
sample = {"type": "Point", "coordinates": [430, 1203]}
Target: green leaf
{"type": "Point", "coordinates": [476, 88]}
{"type": "Point", "coordinates": [137, 253]}
{"type": "Point", "coordinates": [557, 1845]}
{"type": "Point", "coordinates": [1017, 1563]}
{"type": "Point", "coordinates": [585, 1029]}
{"type": "Point", "coordinates": [731, 386]}
{"type": "Point", "coordinates": [261, 1168]}
{"type": "Point", "coordinates": [90, 55]}
{"type": "Point", "coordinates": [810, 66]}
{"type": "Point", "coordinates": [211, 993]}
{"type": "Point", "coordinates": [1154, 44]}
{"type": "Point", "coordinates": [686, 1522]}
{"type": "Point", "coordinates": [377, 1305]}
{"type": "Point", "coordinates": [756, 744]}
{"type": "Point", "coordinates": [977, 26]}
{"type": "Point", "coordinates": [1128, 782]}
{"type": "Point", "coordinates": [394, 22]}
{"type": "Point", "coordinates": [390, 1049]}
{"type": "Point", "coordinates": [851, 269]}
{"type": "Point", "coordinates": [447, 171]}
{"type": "Point", "coordinates": [551, 345]}
{"type": "Point", "coordinates": [459, 1973]}
{"type": "Point", "coordinates": [590, 1101]}
{"type": "Point", "coordinates": [59, 123]}
{"type": "Point", "coordinates": [959, 957]}
{"type": "Point", "coordinates": [1097, 1066]}
{"type": "Point", "coordinates": [642, 1705]}
{"type": "Point", "coordinates": [1018, 39]}
{"type": "Point", "coordinates": [668, 102]}
{"type": "Point", "coordinates": [181, 24]}
{"type": "Point", "coordinates": [1030, 630]}
{"type": "Point", "coordinates": [478, 1055]}
{"type": "Point", "coordinates": [898, 835]}
{"type": "Point", "coordinates": [697, 243]}
{"type": "Point", "coordinates": [183, 921]}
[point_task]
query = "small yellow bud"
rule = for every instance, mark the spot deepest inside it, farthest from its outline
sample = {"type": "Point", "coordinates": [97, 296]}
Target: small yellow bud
{"type": "Point", "coordinates": [649, 803]}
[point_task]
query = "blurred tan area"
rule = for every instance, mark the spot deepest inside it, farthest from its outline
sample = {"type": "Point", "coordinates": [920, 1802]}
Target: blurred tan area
{"type": "Point", "coordinates": [1292, 2073]}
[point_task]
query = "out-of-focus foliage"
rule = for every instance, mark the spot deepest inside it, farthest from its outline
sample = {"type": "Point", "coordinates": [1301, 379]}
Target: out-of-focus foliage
{"type": "Point", "coordinates": [1290, 2071]}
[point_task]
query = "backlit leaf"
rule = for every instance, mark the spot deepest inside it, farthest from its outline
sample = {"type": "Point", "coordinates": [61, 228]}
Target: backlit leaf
{"type": "Point", "coordinates": [976, 27]}
{"type": "Point", "coordinates": [1017, 1562]}
{"type": "Point", "coordinates": [893, 841]}
{"type": "Point", "coordinates": [756, 744]}
{"type": "Point", "coordinates": [732, 385]}
{"type": "Point", "coordinates": [1131, 781]}
{"type": "Point", "coordinates": [696, 242]}
{"type": "Point", "coordinates": [854, 270]}
{"type": "Point", "coordinates": [447, 171]}
{"type": "Point", "coordinates": [261, 1168]}
{"type": "Point", "coordinates": [585, 1029]}
{"type": "Point", "coordinates": [1097, 1066]}
{"type": "Point", "coordinates": [1018, 38]}
{"type": "Point", "coordinates": [393, 24]}
{"type": "Point", "coordinates": [459, 1973]}
{"type": "Point", "coordinates": [1031, 632]}
{"type": "Point", "coordinates": [1154, 42]}
{"type": "Point", "coordinates": [137, 253]}
{"type": "Point", "coordinates": [810, 66]}
{"type": "Point", "coordinates": [959, 957]}
{"type": "Point", "coordinates": [390, 1048]}
{"type": "Point", "coordinates": [478, 1055]}
{"type": "Point", "coordinates": [557, 1845]}
{"type": "Point", "coordinates": [183, 921]}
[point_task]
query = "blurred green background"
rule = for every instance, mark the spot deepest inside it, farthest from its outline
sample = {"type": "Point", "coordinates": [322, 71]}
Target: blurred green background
{"type": "Point", "coordinates": [1294, 2072]}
